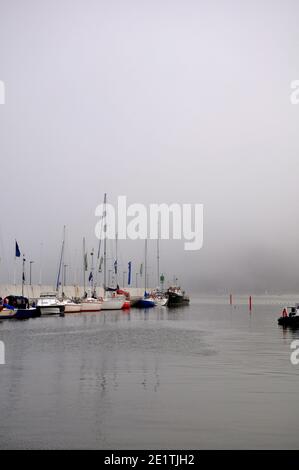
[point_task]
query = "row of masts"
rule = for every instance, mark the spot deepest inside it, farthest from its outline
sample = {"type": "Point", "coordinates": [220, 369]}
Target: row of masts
{"type": "Point", "coordinates": [62, 266]}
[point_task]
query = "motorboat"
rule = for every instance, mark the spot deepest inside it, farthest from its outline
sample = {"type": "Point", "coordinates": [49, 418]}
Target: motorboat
{"type": "Point", "coordinates": [17, 314]}
{"type": "Point", "coordinates": [176, 297]}
{"type": "Point", "coordinates": [49, 304]}
{"type": "Point", "coordinates": [290, 317]}
{"type": "Point", "coordinates": [17, 307]}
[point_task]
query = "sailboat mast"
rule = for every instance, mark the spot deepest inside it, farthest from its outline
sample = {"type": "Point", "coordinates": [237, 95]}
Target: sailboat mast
{"type": "Point", "coordinates": [92, 269]}
{"type": "Point", "coordinates": [116, 260]}
{"type": "Point", "coordinates": [23, 275]}
{"type": "Point", "coordinates": [158, 257]}
{"type": "Point", "coordinates": [84, 267]}
{"type": "Point", "coordinates": [145, 264]}
{"type": "Point", "coordinates": [15, 273]}
{"type": "Point", "coordinates": [105, 240]}
{"type": "Point", "coordinates": [62, 260]}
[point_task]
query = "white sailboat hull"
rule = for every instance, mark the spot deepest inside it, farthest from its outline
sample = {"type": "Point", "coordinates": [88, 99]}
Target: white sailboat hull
{"type": "Point", "coordinates": [91, 306]}
{"type": "Point", "coordinates": [113, 304]}
{"type": "Point", "coordinates": [72, 308]}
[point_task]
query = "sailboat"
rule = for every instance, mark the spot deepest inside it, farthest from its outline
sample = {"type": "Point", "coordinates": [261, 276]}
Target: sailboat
{"type": "Point", "coordinates": [111, 300]}
{"type": "Point", "coordinates": [157, 295]}
{"type": "Point", "coordinates": [48, 302]}
{"type": "Point", "coordinates": [146, 301]}
{"type": "Point", "coordinates": [69, 305]}
{"type": "Point", "coordinates": [88, 303]}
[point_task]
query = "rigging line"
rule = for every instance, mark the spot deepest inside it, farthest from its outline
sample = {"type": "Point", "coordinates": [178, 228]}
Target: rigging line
{"type": "Point", "coordinates": [61, 260]}
{"type": "Point", "coordinates": [4, 258]}
{"type": "Point", "coordinates": [99, 248]}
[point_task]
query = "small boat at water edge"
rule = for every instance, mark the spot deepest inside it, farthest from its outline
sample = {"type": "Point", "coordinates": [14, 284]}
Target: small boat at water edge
{"type": "Point", "coordinates": [290, 317]}
{"type": "Point", "coordinates": [17, 307]}
{"type": "Point", "coordinates": [177, 297]}
{"type": "Point", "coordinates": [18, 314]}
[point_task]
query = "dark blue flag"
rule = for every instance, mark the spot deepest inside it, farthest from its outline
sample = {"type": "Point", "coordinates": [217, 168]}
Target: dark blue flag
{"type": "Point", "coordinates": [115, 266]}
{"type": "Point", "coordinates": [90, 276]}
{"type": "Point", "coordinates": [18, 253]}
{"type": "Point", "coordinates": [129, 272]}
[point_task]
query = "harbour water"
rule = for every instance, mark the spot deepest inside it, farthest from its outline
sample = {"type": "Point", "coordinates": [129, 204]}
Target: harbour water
{"type": "Point", "coordinates": [207, 376]}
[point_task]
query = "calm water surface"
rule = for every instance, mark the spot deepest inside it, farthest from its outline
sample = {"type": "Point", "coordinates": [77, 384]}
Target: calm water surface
{"type": "Point", "coordinates": [207, 376]}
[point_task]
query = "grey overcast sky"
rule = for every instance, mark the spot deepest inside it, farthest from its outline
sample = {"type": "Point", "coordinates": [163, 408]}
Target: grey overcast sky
{"type": "Point", "coordinates": [162, 101]}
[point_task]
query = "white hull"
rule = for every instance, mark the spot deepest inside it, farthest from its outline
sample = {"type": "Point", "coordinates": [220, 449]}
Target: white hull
{"type": "Point", "coordinates": [91, 306]}
{"type": "Point", "coordinates": [48, 304]}
{"type": "Point", "coordinates": [51, 310]}
{"type": "Point", "coordinates": [112, 304]}
{"type": "Point", "coordinates": [72, 308]}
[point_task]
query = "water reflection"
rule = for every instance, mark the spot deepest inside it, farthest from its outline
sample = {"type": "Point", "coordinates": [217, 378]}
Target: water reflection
{"type": "Point", "coordinates": [289, 332]}
{"type": "Point", "coordinates": [185, 377]}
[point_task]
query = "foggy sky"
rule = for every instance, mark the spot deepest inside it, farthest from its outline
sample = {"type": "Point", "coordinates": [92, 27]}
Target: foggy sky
{"type": "Point", "coordinates": [162, 101]}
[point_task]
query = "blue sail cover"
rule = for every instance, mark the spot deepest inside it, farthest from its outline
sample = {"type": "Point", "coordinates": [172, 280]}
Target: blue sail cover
{"type": "Point", "coordinates": [17, 252]}
{"type": "Point", "coordinates": [129, 272]}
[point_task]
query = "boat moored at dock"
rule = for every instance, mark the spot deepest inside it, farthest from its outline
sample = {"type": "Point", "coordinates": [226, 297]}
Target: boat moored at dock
{"type": "Point", "coordinates": [71, 307]}
{"type": "Point", "coordinates": [145, 302]}
{"type": "Point", "coordinates": [112, 303]}
{"type": "Point", "coordinates": [176, 297]}
{"type": "Point", "coordinates": [17, 307]}
{"type": "Point", "coordinates": [159, 297]}
{"type": "Point", "coordinates": [48, 304]}
{"type": "Point", "coordinates": [90, 304]}
{"type": "Point", "coordinates": [18, 314]}
{"type": "Point", "coordinates": [112, 300]}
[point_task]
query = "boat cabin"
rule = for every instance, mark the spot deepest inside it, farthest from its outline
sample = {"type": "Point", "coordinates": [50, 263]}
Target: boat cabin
{"type": "Point", "coordinates": [16, 301]}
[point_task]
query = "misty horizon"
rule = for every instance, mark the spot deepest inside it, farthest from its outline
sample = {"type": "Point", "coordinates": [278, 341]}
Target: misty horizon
{"type": "Point", "coordinates": [164, 103]}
